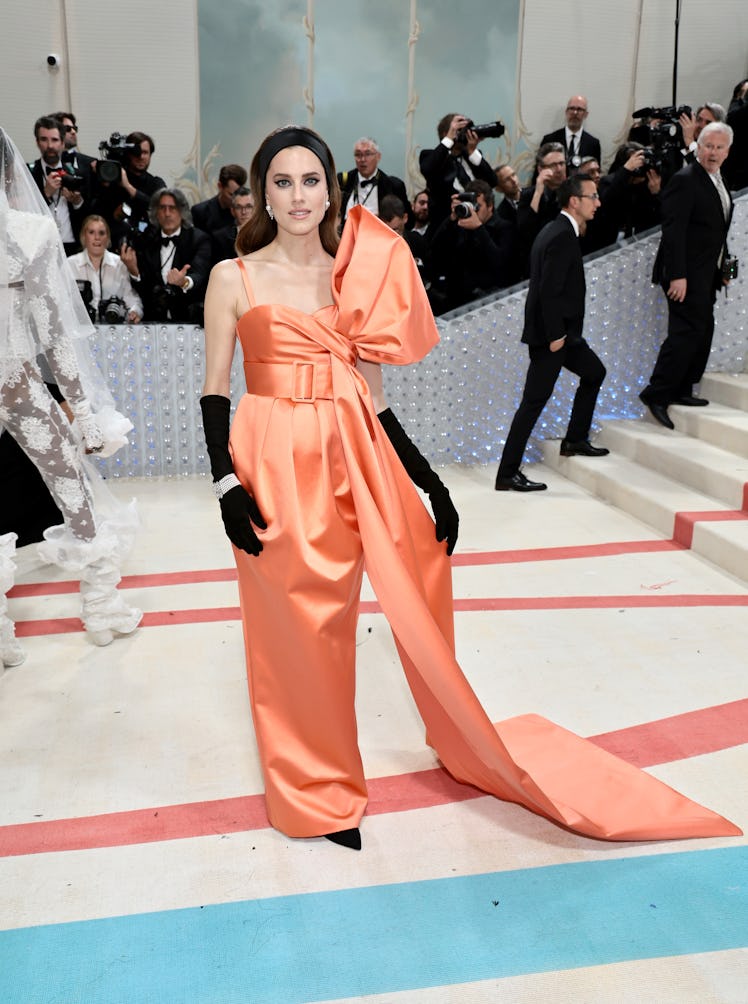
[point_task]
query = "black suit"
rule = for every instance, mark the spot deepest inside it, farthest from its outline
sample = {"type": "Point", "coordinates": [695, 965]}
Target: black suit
{"type": "Point", "coordinates": [735, 168]}
{"type": "Point", "coordinates": [693, 242]}
{"type": "Point", "coordinates": [441, 169]}
{"type": "Point", "coordinates": [530, 223]}
{"type": "Point", "coordinates": [210, 216]}
{"type": "Point", "coordinates": [554, 309]}
{"type": "Point", "coordinates": [223, 242]}
{"type": "Point", "coordinates": [163, 303]}
{"type": "Point", "coordinates": [586, 145]}
{"type": "Point", "coordinates": [385, 184]}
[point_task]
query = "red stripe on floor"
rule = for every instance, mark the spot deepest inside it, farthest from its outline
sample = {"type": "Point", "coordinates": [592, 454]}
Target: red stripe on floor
{"type": "Point", "coordinates": [211, 615]}
{"type": "Point", "coordinates": [131, 582]}
{"type": "Point", "coordinates": [670, 739]}
{"type": "Point", "coordinates": [679, 737]}
{"type": "Point", "coordinates": [565, 553]}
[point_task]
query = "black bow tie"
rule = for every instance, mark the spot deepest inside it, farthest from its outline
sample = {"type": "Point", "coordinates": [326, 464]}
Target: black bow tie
{"type": "Point", "coordinates": [174, 239]}
{"type": "Point", "coordinates": [367, 181]}
{"type": "Point", "coordinates": [51, 170]}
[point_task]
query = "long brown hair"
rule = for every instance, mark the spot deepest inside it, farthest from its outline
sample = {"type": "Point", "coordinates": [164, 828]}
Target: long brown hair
{"type": "Point", "coordinates": [260, 230]}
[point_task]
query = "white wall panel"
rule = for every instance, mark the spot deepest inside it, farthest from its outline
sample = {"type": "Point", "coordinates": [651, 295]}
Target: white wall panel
{"type": "Point", "coordinates": [129, 66]}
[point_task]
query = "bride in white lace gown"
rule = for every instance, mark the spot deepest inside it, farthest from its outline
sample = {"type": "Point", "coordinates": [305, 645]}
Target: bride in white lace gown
{"type": "Point", "coordinates": [41, 314]}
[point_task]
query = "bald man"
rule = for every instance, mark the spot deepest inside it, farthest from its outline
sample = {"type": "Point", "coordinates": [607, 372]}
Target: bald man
{"type": "Point", "coordinates": [577, 142]}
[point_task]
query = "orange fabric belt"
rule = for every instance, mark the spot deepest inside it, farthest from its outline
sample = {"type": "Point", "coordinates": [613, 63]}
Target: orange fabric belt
{"type": "Point", "coordinates": [301, 382]}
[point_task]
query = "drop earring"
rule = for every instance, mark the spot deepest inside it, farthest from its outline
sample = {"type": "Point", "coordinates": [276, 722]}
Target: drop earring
{"type": "Point", "coordinates": [327, 203]}
{"type": "Point", "coordinates": [269, 210]}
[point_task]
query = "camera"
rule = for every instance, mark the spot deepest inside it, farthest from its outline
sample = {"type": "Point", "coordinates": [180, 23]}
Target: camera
{"type": "Point", "coordinates": [53, 61]}
{"type": "Point", "coordinates": [86, 291]}
{"type": "Point", "coordinates": [468, 201]}
{"type": "Point", "coordinates": [729, 268]}
{"type": "Point", "coordinates": [488, 130]}
{"type": "Point", "coordinates": [665, 133]}
{"type": "Point", "coordinates": [114, 153]}
{"type": "Point", "coordinates": [113, 310]}
{"type": "Point", "coordinates": [73, 182]}
{"type": "Point", "coordinates": [162, 299]}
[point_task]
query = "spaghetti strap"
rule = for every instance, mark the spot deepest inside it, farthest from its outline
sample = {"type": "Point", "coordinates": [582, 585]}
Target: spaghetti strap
{"type": "Point", "coordinates": [245, 280]}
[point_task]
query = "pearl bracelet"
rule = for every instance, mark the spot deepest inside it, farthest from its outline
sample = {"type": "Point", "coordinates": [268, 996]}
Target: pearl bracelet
{"type": "Point", "coordinates": [225, 485]}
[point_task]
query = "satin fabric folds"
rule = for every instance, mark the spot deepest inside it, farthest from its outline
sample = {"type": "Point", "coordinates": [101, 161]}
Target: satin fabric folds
{"type": "Point", "coordinates": [307, 444]}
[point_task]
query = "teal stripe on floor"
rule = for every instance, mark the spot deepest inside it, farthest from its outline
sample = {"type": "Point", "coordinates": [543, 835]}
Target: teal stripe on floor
{"type": "Point", "coordinates": [322, 946]}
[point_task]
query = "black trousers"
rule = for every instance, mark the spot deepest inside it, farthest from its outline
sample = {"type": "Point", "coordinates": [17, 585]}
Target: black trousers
{"type": "Point", "coordinates": [685, 352]}
{"type": "Point", "coordinates": [542, 374]}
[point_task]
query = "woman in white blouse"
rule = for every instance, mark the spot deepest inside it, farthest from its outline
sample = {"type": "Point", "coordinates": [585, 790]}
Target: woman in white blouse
{"type": "Point", "coordinates": [104, 270]}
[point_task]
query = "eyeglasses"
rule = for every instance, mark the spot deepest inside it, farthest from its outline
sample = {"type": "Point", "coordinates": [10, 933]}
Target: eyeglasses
{"type": "Point", "coordinates": [575, 108]}
{"type": "Point", "coordinates": [596, 197]}
{"type": "Point", "coordinates": [67, 128]}
{"type": "Point", "coordinates": [361, 154]}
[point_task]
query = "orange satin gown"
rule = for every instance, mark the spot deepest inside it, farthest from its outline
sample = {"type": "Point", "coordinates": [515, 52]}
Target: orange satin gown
{"type": "Point", "coordinates": [308, 446]}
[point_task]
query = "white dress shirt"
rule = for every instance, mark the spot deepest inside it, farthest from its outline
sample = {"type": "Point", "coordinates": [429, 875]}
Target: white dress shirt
{"type": "Point", "coordinates": [112, 279]}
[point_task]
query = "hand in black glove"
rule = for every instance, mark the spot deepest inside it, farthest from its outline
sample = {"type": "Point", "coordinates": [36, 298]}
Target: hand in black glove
{"type": "Point", "coordinates": [418, 469]}
{"type": "Point", "coordinates": [238, 511]}
{"type": "Point", "coordinates": [446, 516]}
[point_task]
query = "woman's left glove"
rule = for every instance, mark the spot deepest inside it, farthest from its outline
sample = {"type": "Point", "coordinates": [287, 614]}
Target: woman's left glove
{"type": "Point", "coordinates": [418, 469]}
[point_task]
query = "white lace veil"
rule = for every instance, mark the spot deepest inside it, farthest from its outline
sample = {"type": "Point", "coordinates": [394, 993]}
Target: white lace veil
{"type": "Point", "coordinates": [39, 299]}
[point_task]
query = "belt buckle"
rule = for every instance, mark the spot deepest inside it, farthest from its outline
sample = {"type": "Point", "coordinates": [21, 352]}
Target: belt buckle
{"type": "Point", "coordinates": [297, 379]}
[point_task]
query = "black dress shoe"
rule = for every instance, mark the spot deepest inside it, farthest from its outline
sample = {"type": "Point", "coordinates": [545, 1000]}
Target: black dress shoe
{"type": "Point", "coordinates": [518, 483]}
{"type": "Point", "coordinates": [692, 402]}
{"type": "Point", "coordinates": [346, 838]}
{"type": "Point", "coordinates": [583, 448]}
{"type": "Point", "coordinates": [659, 413]}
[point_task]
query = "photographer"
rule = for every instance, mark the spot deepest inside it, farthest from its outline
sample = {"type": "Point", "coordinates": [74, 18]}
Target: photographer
{"type": "Point", "coordinates": [537, 203]}
{"type": "Point", "coordinates": [692, 263]}
{"type": "Point", "coordinates": [215, 214]}
{"type": "Point", "coordinates": [455, 162]}
{"type": "Point", "coordinates": [691, 126]}
{"type": "Point", "coordinates": [629, 198]}
{"type": "Point", "coordinates": [64, 190]}
{"type": "Point", "coordinates": [171, 262]}
{"type": "Point", "coordinates": [471, 248]}
{"type": "Point", "coordinates": [102, 277]}
{"type": "Point", "coordinates": [124, 200]}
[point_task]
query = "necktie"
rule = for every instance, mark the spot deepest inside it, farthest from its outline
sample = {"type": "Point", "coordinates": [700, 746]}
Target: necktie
{"type": "Point", "coordinates": [366, 181]}
{"type": "Point", "coordinates": [165, 241]}
{"type": "Point", "coordinates": [722, 192]}
{"type": "Point", "coordinates": [572, 147]}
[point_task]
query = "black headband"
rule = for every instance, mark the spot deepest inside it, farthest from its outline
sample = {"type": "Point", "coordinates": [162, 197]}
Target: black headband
{"type": "Point", "coordinates": [292, 136]}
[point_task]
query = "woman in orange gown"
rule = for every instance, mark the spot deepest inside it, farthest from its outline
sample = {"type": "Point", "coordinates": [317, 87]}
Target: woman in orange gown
{"type": "Point", "coordinates": [316, 483]}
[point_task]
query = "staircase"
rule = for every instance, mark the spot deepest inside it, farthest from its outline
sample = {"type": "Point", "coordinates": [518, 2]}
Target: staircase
{"type": "Point", "coordinates": [690, 484]}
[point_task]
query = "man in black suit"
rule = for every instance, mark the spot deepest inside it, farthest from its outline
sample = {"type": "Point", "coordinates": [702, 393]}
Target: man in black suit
{"type": "Point", "coordinates": [215, 214]}
{"type": "Point", "coordinates": [171, 263]}
{"type": "Point", "coordinates": [554, 320]}
{"type": "Point", "coordinates": [67, 204]}
{"type": "Point", "coordinates": [223, 240]}
{"type": "Point", "coordinates": [453, 164]}
{"type": "Point", "coordinates": [736, 168]}
{"type": "Point", "coordinates": [366, 185]}
{"type": "Point", "coordinates": [696, 214]}
{"type": "Point", "coordinates": [574, 138]}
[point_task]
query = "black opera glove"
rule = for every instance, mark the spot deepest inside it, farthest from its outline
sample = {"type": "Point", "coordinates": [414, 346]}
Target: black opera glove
{"type": "Point", "coordinates": [238, 509]}
{"type": "Point", "coordinates": [420, 473]}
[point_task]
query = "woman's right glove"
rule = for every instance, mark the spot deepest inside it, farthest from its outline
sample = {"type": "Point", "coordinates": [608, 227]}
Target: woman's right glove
{"type": "Point", "coordinates": [238, 509]}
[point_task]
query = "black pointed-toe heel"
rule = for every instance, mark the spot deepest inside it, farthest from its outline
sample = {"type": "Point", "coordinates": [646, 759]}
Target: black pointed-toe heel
{"type": "Point", "coordinates": [346, 838]}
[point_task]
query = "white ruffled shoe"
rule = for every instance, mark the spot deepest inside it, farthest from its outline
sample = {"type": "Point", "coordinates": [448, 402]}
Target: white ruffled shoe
{"type": "Point", "coordinates": [11, 653]}
{"type": "Point", "coordinates": [96, 562]}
